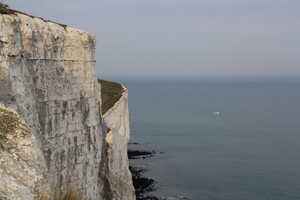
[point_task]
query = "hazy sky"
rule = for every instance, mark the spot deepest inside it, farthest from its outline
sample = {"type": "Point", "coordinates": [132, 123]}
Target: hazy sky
{"type": "Point", "coordinates": [184, 37]}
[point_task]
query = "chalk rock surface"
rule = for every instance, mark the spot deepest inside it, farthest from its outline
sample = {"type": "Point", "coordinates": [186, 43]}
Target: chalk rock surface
{"type": "Point", "coordinates": [117, 120]}
{"type": "Point", "coordinates": [48, 82]}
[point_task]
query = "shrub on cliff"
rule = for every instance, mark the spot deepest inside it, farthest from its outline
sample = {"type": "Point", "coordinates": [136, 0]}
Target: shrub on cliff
{"type": "Point", "coordinates": [4, 9]}
{"type": "Point", "coordinates": [11, 128]}
{"type": "Point", "coordinates": [3, 5]}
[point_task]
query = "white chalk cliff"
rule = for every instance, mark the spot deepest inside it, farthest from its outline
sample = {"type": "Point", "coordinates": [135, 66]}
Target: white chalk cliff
{"type": "Point", "coordinates": [54, 140]}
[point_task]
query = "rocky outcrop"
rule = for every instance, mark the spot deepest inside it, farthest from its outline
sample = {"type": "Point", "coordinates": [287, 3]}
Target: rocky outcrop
{"type": "Point", "coordinates": [48, 83]}
{"type": "Point", "coordinates": [117, 120]}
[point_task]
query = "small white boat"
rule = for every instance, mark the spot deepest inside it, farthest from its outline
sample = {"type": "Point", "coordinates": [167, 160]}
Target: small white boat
{"type": "Point", "coordinates": [216, 113]}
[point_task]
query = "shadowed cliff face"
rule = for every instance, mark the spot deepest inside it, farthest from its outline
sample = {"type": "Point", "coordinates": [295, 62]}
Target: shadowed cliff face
{"type": "Point", "coordinates": [47, 76]}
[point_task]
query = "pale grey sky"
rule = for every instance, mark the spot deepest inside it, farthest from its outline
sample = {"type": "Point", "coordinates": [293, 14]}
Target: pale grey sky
{"type": "Point", "coordinates": [184, 37]}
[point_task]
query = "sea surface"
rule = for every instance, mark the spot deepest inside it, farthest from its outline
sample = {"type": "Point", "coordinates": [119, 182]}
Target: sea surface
{"type": "Point", "coordinates": [250, 150]}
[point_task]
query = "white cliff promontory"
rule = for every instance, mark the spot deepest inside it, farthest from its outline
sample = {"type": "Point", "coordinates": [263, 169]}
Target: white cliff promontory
{"type": "Point", "coordinates": [117, 120]}
{"type": "Point", "coordinates": [48, 81]}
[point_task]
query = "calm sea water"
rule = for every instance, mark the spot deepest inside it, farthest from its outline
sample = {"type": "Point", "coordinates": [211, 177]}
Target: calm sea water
{"type": "Point", "coordinates": [251, 151]}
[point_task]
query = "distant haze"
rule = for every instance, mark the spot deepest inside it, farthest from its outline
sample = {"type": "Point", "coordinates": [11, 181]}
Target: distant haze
{"type": "Point", "coordinates": [184, 37]}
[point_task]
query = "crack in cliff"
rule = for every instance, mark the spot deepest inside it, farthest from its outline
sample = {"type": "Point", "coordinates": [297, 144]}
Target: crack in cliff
{"type": "Point", "coordinates": [49, 59]}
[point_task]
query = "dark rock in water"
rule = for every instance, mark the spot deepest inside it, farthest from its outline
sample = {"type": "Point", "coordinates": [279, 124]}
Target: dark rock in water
{"type": "Point", "coordinates": [134, 143]}
{"type": "Point", "coordinates": [175, 198]}
{"type": "Point", "coordinates": [150, 198]}
{"type": "Point", "coordinates": [135, 154]}
{"type": "Point", "coordinates": [142, 184]}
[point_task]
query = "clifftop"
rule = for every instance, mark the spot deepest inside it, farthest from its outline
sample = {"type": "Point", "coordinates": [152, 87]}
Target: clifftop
{"type": "Point", "coordinates": [111, 92]}
{"type": "Point", "coordinates": [5, 10]}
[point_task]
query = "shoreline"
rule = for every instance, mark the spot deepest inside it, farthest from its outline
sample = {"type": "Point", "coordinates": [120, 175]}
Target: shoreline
{"type": "Point", "coordinates": [143, 185]}
{"type": "Point", "coordinates": [146, 186]}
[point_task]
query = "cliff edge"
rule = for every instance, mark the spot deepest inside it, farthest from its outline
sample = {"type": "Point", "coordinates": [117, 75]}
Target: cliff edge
{"type": "Point", "coordinates": [55, 140]}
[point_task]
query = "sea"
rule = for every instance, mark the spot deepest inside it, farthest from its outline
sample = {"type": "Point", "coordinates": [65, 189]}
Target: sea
{"type": "Point", "coordinates": [219, 138]}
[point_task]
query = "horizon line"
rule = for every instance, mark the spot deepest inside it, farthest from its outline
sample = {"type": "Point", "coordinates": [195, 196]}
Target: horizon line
{"type": "Point", "coordinates": [143, 77]}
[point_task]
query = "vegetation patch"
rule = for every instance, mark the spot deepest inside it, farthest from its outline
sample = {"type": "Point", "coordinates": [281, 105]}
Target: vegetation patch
{"type": "Point", "coordinates": [8, 121]}
{"type": "Point", "coordinates": [111, 92]}
{"type": "Point", "coordinates": [4, 9]}
{"type": "Point", "coordinates": [71, 195]}
{"type": "Point", "coordinates": [11, 127]}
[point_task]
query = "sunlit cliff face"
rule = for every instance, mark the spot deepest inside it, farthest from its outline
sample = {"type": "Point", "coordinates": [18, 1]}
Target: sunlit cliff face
{"type": "Point", "coordinates": [48, 84]}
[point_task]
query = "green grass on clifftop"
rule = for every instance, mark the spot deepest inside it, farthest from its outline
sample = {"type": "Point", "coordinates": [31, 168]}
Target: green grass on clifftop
{"type": "Point", "coordinates": [111, 92]}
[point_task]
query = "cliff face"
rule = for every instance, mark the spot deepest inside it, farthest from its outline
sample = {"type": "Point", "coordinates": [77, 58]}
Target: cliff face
{"type": "Point", "coordinates": [116, 118]}
{"type": "Point", "coordinates": [20, 169]}
{"type": "Point", "coordinates": [47, 79]}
